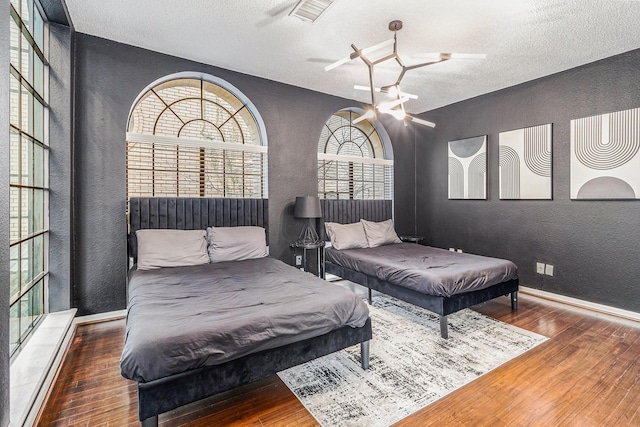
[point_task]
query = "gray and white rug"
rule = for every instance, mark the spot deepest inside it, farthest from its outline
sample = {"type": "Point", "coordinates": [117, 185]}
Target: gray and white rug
{"type": "Point", "coordinates": [410, 365]}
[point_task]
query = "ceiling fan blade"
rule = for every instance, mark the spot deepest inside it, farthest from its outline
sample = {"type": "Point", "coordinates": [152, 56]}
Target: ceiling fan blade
{"type": "Point", "coordinates": [422, 122]}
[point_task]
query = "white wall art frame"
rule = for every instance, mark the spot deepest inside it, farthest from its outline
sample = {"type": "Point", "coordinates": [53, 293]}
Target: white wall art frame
{"type": "Point", "coordinates": [468, 168]}
{"type": "Point", "coordinates": [605, 158]}
{"type": "Point", "coordinates": [525, 163]}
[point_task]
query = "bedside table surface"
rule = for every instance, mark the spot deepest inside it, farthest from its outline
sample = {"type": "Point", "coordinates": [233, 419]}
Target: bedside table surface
{"type": "Point", "coordinates": [307, 245]}
{"type": "Point", "coordinates": [413, 239]}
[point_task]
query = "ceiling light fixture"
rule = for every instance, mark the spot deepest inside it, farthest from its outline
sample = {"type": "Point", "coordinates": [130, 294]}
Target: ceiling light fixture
{"type": "Point", "coordinates": [310, 10]}
{"type": "Point", "coordinates": [396, 107]}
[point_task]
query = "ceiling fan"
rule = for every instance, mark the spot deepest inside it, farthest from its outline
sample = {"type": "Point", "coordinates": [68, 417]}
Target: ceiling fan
{"type": "Point", "coordinates": [396, 106]}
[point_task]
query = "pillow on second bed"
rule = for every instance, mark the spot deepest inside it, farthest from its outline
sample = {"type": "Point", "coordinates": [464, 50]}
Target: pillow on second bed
{"type": "Point", "coordinates": [171, 248]}
{"type": "Point", "coordinates": [380, 233]}
{"type": "Point", "coordinates": [346, 236]}
{"type": "Point", "coordinates": [236, 243]}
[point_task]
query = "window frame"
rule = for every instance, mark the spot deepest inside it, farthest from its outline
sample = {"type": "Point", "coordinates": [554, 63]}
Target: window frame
{"type": "Point", "coordinates": [29, 171]}
{"type": "Point", "coordinates": [382, 156]}
{"type": "Point", "coordinates": [258, 150]}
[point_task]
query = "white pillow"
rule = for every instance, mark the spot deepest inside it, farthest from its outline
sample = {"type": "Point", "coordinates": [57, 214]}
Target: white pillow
{"type": "Point", "coordinates": [171, 248]}
{"type": "Point", "coordinates": [346, 236]}
{"type": "Point", "coordinates": [236, 243]}
{"type": "Point", "coordinates": [380, 233]}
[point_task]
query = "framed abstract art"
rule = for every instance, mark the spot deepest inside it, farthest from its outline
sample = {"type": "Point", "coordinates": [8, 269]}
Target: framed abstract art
{"type": "Point", "coordinates": [605, 159]}
{"type": "Point", "coordinates": [468, 168]}
{"type": "Point", "coordinates": [525, 163]}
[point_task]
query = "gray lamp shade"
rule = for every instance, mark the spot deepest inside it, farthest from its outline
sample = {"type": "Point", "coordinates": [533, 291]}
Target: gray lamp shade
{"type": "Point", "coordinates": [307, 207]}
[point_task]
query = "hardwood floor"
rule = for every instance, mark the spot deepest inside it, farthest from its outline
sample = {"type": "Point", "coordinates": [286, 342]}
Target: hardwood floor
{"type": "Point", "coordinates": [586, 374]}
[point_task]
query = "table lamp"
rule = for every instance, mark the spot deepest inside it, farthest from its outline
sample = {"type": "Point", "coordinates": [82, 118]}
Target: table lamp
{"type": "Point", "coordinates": [308, 207]}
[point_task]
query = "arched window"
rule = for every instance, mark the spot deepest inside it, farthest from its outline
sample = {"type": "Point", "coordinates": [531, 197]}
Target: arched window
{"type": "Point", "coordinates": [354, 160]}
{"type": "Point", "coordinates": [195, 136]}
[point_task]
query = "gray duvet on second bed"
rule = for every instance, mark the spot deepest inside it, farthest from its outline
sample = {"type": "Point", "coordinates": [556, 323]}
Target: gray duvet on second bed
{"type": "Point", "coordinates": [425, 269]}
{"type": "Point", "coordinates": [182, 318]}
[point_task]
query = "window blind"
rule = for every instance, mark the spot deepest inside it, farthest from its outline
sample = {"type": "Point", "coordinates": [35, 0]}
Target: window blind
{"type": "Point", "coordinates": [167, 166]}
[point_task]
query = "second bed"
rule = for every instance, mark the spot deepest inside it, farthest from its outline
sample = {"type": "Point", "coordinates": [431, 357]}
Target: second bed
{"type": "Point", "coordinates": [438, 280]}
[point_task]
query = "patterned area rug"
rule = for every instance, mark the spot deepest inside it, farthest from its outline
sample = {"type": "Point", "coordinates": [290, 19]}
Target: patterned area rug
{"type": "Point", "coordinates": [410, 365]}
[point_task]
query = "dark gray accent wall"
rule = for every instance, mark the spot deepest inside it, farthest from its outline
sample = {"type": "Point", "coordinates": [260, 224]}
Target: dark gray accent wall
{"type": "Point", "coordinates": [109, 76]}
{"type": "Point", "coordinates": [403, 141]}
{"type": "Point", "coordinates": [60, 167]}
{"type": "Point", "coordinates": [594, 245]}
{"type": "Point", "coordinates": [4, 213]}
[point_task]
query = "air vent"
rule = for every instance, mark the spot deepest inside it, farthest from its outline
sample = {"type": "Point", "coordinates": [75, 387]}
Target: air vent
{"type": "Point", "coordinates": [310, 10]}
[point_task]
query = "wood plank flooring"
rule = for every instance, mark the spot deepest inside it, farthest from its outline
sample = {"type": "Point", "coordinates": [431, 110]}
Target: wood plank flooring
{"type": "Point", "coordinates": [586, 374]}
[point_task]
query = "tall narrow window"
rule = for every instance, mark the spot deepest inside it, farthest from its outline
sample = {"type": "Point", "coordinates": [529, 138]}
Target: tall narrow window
{"type": "Point", "coordinates": [190, 137]}
{"type": "Point", "coordinates": [29, 172]}
{"type": "Point", "coordinates": [351, 160]}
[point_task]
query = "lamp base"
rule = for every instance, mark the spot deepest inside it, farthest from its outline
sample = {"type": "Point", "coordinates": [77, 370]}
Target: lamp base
{"type": "Point", "coordinates": [308, 235]}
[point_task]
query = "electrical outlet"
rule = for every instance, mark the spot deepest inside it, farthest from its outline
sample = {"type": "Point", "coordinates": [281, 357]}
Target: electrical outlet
{"type": "Point", "coordinates": [548, 270]}
{"type": "Point", "coordinates": [452, 249]}
{"type": "Point", "coordinates": [298, 259]}
{"type": "Point", "coordinates": [459, 251]}
{"type": "Point", "coordinates": [539, 267]}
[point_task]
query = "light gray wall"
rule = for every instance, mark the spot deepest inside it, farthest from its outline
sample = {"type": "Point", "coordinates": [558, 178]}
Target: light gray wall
{"type": "Point", "coordinates": [594, 245]}
{"type": "Point", "coordinates": [4, 213]}
{"type": "Point", "coordinates": [60, 168]}
{"type": "Point", "coordinates": [109, 76]}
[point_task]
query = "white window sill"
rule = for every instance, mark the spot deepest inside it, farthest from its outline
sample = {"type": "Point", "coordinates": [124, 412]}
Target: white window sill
{"type": "Point", "coordinates": [33, 370]}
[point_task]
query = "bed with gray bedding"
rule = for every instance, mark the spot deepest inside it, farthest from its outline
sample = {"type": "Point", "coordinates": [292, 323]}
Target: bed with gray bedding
{"type": "Point", "coordinates": [196, 331]}
{"type": "Point", "coordinates": [183, 318]}
{"type": "Point", "coordinates": [436, 279]}
{"type": "Point", "coordinates": [424, 269]}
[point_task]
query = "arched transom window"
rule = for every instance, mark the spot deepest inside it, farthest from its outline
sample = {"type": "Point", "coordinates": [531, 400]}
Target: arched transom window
{"type": "Point", "coordinates": [190, 137]}
{"type": "Point", "coordinates": [351, 160]}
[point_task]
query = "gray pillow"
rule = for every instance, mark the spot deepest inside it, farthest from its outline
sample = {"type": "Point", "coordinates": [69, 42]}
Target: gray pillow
{"type": "Point", "coordinates": [380, 233]}
{"type": "Point", "coordinates": [236, 243]}
{"type": "Point", "coordinates": [346, 236]}
{"type": "Point", "coordinates": [171, 248]}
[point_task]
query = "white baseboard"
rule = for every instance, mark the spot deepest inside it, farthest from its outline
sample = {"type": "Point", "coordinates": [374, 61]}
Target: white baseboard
{"type": "Point", "coordinates": [100, 317]}
{"type": "Point", "coordinates": [587, 305]}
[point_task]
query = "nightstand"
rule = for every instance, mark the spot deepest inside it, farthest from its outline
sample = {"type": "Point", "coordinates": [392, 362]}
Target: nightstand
{"type": "Point", "coordinates": [318, 247]}
{"type": "Point", "coordinates": [412, 239]}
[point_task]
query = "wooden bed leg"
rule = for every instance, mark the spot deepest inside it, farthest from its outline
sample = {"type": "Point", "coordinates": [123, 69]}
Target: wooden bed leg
{"type": "Point", "coordinates": [444, 330]}
{"type": "Point", "coordinates": [150, 422]}
{"type": "Point", "coordinates": [370, 298]}
{"type": "Point", "coordinates": [514, 300]}
{"type": "Point", "coordinates": [364, 354]}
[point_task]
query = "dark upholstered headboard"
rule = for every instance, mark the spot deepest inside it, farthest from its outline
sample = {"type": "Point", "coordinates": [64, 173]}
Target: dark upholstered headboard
{"type": "Point", "coordinates": [193, 214]}
{"type": "Point", "coordinates": [348, 211]}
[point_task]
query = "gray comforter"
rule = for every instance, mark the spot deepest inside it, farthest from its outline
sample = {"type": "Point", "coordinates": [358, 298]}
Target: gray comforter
{"type": "Point", "coordinates": [182, 318]}
{"type": "Point", "coordinates": [428, 270]}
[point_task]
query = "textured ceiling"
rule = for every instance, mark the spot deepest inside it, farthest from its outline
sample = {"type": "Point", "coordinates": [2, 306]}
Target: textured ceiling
{"type": "Point", "coordinates": [523, 39]}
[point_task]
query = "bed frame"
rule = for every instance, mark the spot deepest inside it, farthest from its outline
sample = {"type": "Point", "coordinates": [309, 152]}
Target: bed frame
{"type": "Point", "coordinates": [348, 211]}
{"type": "Point", "coordinates": [164, 394]}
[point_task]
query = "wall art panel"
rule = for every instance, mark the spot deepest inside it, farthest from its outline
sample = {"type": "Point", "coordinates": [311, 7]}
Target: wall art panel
{"type": "Point", "coordinates": [468, 168]}
{"type": "Point", "coordinates": [605, 163]}
{"type": "Point", "coordinates": [525, 163]}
